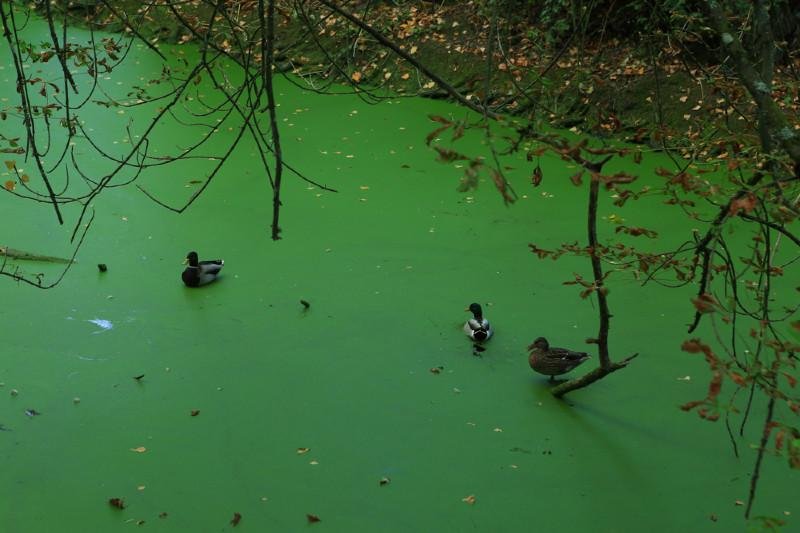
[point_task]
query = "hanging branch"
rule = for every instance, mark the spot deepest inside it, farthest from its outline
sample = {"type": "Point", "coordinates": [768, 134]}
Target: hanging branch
{"type": "Point", "coordinates": [268, 53]}
{"type": "Point", "coordinates": [607, 366]}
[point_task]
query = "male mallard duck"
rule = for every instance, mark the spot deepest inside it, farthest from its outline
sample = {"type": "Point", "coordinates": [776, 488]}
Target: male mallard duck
{"type": "Point", "coordinates": [477, 328]}
{"type": "Point", "coordinates": [553, 361]}
{"type": "Point", "coordinates": [200, 272]}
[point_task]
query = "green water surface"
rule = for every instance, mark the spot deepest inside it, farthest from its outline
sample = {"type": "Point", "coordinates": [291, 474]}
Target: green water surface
{"type": "Point", "coordinates": [388, 264]}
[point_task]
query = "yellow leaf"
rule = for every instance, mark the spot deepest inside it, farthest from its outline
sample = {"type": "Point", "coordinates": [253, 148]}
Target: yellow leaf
{"type": "Point", "coordinates": [471, 499]}
{"type": "Point", "coordinates": [406, 76]}
{"type": "Point", "coordinates": [387, 75]}
{"type": "Point", "coordinates": [9, 185]}
{"type": "Point", "coordinates": [10, 165]}
{"type": "Point", "coordinates": [140, 449]}
{"type": "Point", "coordinates": [413, 50]}
{"type": "Point", "coordinates": [25, 178]}
{"type": "Point", "coordinates": [356, 76]}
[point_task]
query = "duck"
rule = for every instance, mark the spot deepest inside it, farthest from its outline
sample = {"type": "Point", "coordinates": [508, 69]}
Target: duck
{"type": "Point", "coordinates": [477, 328]}
{"type": "Point", "coordinates": [199, 273]}
{"type": "Point", "coordinates": [552, 361]}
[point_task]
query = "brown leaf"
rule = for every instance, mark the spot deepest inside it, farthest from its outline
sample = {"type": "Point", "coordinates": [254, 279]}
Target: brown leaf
{"type": "Point", "coordinates": [117, 503]}
{"type": "Point", "coordinates": [738, 379]}
{"type": "Point", "coordinates": [236, 519]}
{"type": "Point", "coordinates": [576, 178]}
{"type": "Point", "coordinates": [440, 119]}
{"type": "Point", "coordinates": [10, 165]}
{"type": "Point", "coordinates": [435, 133]}
{"type": "Point", "coordinates": [691, 405]}
{"type": "Point", "coordinates": [313, 519]}
{"type": "Point", "coordinates": [705, 303]}
{"type": "Point", "coordinates": [536, 177]}
{"type": "Point", "coordinates": [140, 449]}
{"type": "Point", "coordinates": [471, 499]}
{"type": "Point", "coordinates": [195, 412]}
{"type": "Point", "coordinates": [9, 185]}
{"type": "Point", "coordinates": [747, 203]}
{"type": "Point", "coordinates": [301, 451]}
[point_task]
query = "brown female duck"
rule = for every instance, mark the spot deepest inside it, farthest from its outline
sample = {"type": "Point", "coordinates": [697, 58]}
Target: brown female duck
{"type": "Point", "coordinates": [552, 361]}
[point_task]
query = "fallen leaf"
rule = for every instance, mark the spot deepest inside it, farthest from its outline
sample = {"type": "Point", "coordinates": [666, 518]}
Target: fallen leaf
{"type": "Point", "coordinates": [738, 503]}
{"type": "Point", "coordinates": [437, 370]}
{"type": "Point", "coordinates": [195, 412]}
{"type": "Point", "coordinates": [140, 487]}
{"type": "Point", "coordinates": [32, 412]}
{"type": "Point", "coordinates": [384, 481]}
{"type": "Point", "coordinates": [117, 503]}
{"type": "Point", "coordinates": [236, 519]}
{"type": "Point", "coordinates": [301, 451]}
{"type": "Point", "coordinates": [9, 185]}
{"type": "Point", "coordinates": [10, 165]}
{"type": "Point", "coordinates": [139, 377]}
{"type": "Point", "coordinates": [162, 514]}
{"type": "Point", "coordinates": [312, 518]}
{"type": "Point", "coordinates": [471, 499]}
{"type": "Point", "coordinates": [140, 449]}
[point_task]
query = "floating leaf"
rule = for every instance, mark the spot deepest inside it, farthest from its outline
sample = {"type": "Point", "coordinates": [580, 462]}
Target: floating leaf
{"type": "Point", "coordinates": [117, 503]}
{"type": "Point", "coordinates": [162, 514]}
{"type": "Point", "coordinates": [471, 499]}
{"type": "Point", "coordinates": [301, 451]}
{"type": "Point", "coordinates": [437, 370]}
{"type": "Point", "coordinates": [384, 481]}
{"type": "Point", "coordinates": [195, 412]}
{"type": "Point", "coordinates": [25, 178]}
{"type": "Point", "coordinates": [236, 519]}
{"type": "Point", "coordinates": [9, 185]}
{"type": "Point", "coordinates": [313, 519]}
{"type": "Point", "coordinates": [140, 449]}
{"type": "Point", "coordinates": [10, 165]}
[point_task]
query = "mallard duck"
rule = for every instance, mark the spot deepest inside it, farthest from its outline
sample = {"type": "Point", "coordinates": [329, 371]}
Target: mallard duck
{"type": "Point", "coordinates": [199, 273]}
{"type": "Point", "coordinates": [552, 361]}
{"type": "Point", "coordinates": [477, 328]}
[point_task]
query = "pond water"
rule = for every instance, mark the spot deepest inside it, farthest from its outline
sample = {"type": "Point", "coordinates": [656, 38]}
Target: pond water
{"type": "Point", "coordinates": [388, 265]}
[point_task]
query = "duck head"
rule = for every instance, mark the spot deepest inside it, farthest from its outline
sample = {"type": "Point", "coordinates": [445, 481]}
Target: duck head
{"type": "Point", "coordinates": [191, 259]}
{"type": "Point", "coordinates": [541, 344]}
{"type": "Point", "coordinates": [476, 310]}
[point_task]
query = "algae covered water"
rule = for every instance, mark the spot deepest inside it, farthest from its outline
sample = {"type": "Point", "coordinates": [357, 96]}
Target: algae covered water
{"type": "Point", "coordinates": [366, 410]}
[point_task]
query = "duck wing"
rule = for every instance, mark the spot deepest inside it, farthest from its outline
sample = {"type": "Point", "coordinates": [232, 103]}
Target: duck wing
{"type": "Point", "coordinates": [566, 355]}
{"type": "Point", "coordinates": [210, 267]}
